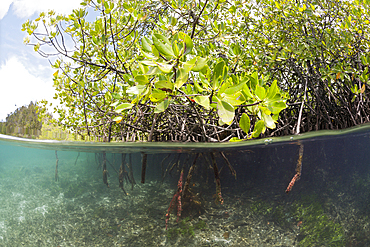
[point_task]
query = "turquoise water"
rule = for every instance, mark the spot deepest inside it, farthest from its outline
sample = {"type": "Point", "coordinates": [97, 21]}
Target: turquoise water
{"type": "Point", "coordinates": [56, 194]}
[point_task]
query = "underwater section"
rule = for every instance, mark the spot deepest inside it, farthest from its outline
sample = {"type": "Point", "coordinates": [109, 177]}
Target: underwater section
{"type": "Point", "coordinates": [309, 190]}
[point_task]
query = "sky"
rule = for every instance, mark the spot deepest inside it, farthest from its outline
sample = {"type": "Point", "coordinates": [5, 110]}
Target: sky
{"type": "Point", "coordinates": [25, 76]}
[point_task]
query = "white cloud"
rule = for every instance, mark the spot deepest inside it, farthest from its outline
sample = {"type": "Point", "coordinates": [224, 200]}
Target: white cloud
{"type": "Point", "coordinates": [4, 7]}
{"type": "Point", "coordinates": [26, 8]}
{"type": "Point", "coordinates": [19, 86]}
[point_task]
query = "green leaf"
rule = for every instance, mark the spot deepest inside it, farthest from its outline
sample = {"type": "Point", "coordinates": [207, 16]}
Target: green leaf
{"type": "Point", "coordinates": [225, 111]}
{"type": "Point", "coordinates": [146, 45]}
{"type": "Point", "coordinates": [36, 47]}
{"type": "Point", "coordinates": [141, 79]}
{"type": "Point", "coordinates": [260, 92]}
{"type": "Point", "coordinates": [199, 64]}
{"type": "Point", "coordinates": [197, 86]}
{"type": "Point", "coordinates": [258, 127]}
{"type": "Point", "coordinates": [234, 89]}
{"type": "Point", "coordinates": [188, 43]}
{"type": "Point", "coordinates": [175, 48]}
{"type": "Point", "coordinates": [277, 107]}
{"type": "Point", "coordinates": [182, 77]}
{"type": "Point", "coordinates": [161, 107]}
{"type": "Point", "coordinates": [203, 101]}
{"type": "Point", "coordinates": [235, 139]}
{"type": "Point", "coordinates": [162, 44]}
{"type": "Point", "coordinates": [122, 107]}
{"type": "Point", "coordinates": [269, 122]}
{"type": "Point", "coordinates": [135, 90]}
{"type": "Point", "coordinates": [164, 84]}
{"type": "Point", "coordinates": [165, 68]}
{"type": "Point", "coordinates": [245, 123]}
{"type": "Point", "coordinates": [203, 79]}
{"type": "Point", "coordinates": [188, 65]}
{"type": "Point", "coordinates": [148, 55]}
{"type": "Point", "coordinates": [157, 95]}
{"type": "Point", "coordinates": [219, 68]}
{"type": "Point", "coordinates": [149, 63]}
{"type": "Point", "coordinates": [232, 99]}
{"type": "Point", "coordinates": [247, 92]}
{"type": "Point", "coordinates": [272, 90]}
{"type": "Point", "coordinates": [153, 71]}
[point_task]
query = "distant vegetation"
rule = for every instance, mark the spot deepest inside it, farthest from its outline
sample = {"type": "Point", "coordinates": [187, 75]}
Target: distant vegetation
{"type": "Point", "coordinates": [26, 122]}
{"type": "Point", "coordinates": [22, 122]}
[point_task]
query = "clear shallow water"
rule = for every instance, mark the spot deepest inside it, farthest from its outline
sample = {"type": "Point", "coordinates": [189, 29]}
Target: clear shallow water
{"type": "Point", "coordinates": [327, 206]}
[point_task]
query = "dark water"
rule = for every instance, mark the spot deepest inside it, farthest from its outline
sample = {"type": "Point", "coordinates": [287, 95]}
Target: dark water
{"type": "Point", "coordinates": [327, 206]}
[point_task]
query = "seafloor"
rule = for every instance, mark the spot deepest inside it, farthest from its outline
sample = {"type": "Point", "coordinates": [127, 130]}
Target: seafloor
{"type": "Point", "coordinates": [79, 210]}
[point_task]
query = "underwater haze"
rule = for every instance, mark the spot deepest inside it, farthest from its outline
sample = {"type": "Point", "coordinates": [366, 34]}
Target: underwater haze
{"type": "Point", "coordinates": [307, 190]}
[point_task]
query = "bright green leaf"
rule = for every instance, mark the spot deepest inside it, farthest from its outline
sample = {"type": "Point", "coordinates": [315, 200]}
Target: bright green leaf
{"type": "Point", "coordinates": [188, 43]}
{"type": "Point", "coordinates": [182, 77]}
{"type": "Point", "coordinates": [161, 107]}
{"type": "Point", "coordinates": [232, 99]}
{"type": "Point", "coordinates": [258, 127]}
{"type": "Point", "coordinates": [218, 70]}
{"type": "Point", "coordinates": [157, 95]}
{"type": "Point", "coordinates": [247, 92]}
{"type": "Point", "coordinates": [272, 90]}
{"type": "Point", "coordinates": [122, 107]}
{"type": "Point", "coordinates": [277, 107]}
{"type": "Point", "coordinates": [149, 63]}
{"type": "Point", "coordinates": [245, 123]}
{"type": "Point", "coordinates": [199, 64]}
{"type": "Point", "coordinates": [260, 92]}
{"type": "Point", "coordinates": [162, 44]}
{"type": "Point", "coordinates": [234, 89]}
{"type": "Point", "coordinates": [146, 45]}
{"type": "Point", "coordinates": [235, 139]}
{"type": "Point", "coordinates": [165, 68]}
{"type": "Point", "coordinates": [225, 111]}
{"type": "Point", "coordinates": [203, 101]}
{"type": "Point", "coordinates": [141, 79]}
{"type": "Point", "coordinates": [164, 84]}
{"type": "Point", "coordinates": [269, 122]}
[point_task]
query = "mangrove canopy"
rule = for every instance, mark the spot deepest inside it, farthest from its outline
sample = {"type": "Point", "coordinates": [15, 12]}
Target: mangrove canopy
{"type": "Point", "coordinates": [206, 71]}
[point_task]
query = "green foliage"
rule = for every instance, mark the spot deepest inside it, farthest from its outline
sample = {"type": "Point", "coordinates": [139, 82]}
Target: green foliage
{"type": "Point", "coordinates": [141, 58]}
{"type": "Point", "coordinates": [209, 66]}
{"type": "Point", "coordinates": [23, 121]}
{"type": "Point", "coordinates": [324, 63]}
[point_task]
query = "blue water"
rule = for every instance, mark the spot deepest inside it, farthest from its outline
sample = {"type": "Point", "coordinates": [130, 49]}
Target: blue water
{"type": "Point", "coordinates": [327, 206]}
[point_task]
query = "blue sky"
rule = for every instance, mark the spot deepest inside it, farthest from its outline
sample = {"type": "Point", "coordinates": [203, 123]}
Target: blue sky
{"type": "Point", "coordinates": [24, 75]}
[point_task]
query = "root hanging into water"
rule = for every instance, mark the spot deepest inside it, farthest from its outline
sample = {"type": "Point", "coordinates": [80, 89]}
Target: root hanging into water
{"type": "Point", "coordinates": [298, 169]}
{"type": "Point", "coordinates": [77, 158]}
{"type": "Point", "coordinates": [232, 170]}
{"type": "Point", "coordinates": [130, 173]}
{"type": "Point", "coordinates": [219, 198]}
{"type": "Point", "coordinates": [143, 167]}
{"type": "Point", "coordinates": [122, 173]}
{"type": "Point", "coordinates": [176, 198]}
{"type": "Point", "coordinates": [188, 178]}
